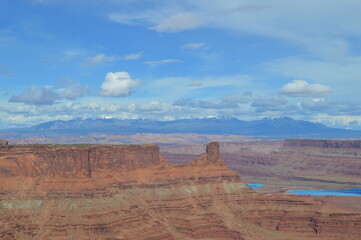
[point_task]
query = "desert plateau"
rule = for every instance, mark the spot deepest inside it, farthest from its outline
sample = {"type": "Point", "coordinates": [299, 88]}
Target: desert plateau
{"type": "Point", "coordinates": [133, 192]}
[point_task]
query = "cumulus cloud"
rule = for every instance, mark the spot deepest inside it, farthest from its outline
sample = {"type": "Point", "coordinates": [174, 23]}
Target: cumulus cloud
{"type": "Point", "coordinates": [194, 45]}
{"type": "Point", "coordinates": [118, 84]}
{"type": "Point", "coordinates": [36, 95]}
{"type": "Point", "coordinates": [178, 23]}
{"type": "Point", "coordinates": [101, 58]}
{"type": "Point", "coordinates": [301, 88]}
{"type": "Point", "coordinates": [164, 61]}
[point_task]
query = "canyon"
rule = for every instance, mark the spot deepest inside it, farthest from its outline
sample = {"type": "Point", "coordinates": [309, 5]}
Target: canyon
{"type": "Point", "coordinates": [132, 192]}
{"type": "Point", "coordinates": [284, 165]}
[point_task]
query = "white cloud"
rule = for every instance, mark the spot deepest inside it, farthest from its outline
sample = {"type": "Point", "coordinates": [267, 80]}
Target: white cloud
{"type": "Point", "coordinates": [301, 88]}
{"type": "Point", "coordinates": [307, 23]}
{"type": "Point", "coordinates": [36, 95]}
{"type": "Point", "coordinates": [117, 84]}
{"type": "Point", "coordinates": [194, 45]}
{"type": "Point", "coordinates": [164, 61]}
{"type": "Point", "coordinates": [178, 23]}
{"type": "Point", "coordinates": [343, 76]}
{"type": "Point", "coordinates": [133, 56]}
{"type": "Point", "coordinates": [101, 58]}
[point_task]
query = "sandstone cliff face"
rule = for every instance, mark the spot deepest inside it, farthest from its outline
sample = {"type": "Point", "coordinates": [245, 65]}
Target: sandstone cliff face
{"type": "Point", "coordinates": [3, 142]}
{"type": "Point", "coordinates": [58, 160]}
{"type": "Point", "coordinates": [317, 143]}
{"type": "Point", "coordinates": [133, 193]}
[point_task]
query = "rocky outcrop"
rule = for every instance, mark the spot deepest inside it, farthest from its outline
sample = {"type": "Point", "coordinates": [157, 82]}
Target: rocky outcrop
{"type": "Point", "coordinates": [318, 143]}
{"type": "Point", "coordinates": [3, 142]}
{"type": "Point", "coordinates": [46, 192]}
{"type": "Point", "coordinates": [212, 155]}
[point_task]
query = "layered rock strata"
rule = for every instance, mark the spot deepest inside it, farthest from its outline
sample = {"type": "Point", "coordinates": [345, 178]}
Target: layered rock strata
{"type": "Point", "coordinates": [131, 192]}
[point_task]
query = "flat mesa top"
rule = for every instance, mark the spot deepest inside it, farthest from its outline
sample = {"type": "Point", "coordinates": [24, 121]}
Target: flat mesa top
{"type": "Point", "coordinates": [79, 145]}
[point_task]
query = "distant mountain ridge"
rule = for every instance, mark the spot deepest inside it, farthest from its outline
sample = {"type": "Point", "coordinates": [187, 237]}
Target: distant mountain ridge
{"type": "Point", "coordinates": [283, 127]}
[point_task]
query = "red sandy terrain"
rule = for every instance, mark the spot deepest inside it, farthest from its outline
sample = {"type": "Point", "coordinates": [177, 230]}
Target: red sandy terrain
{"type": "Point", "coordinates": [132, 192]}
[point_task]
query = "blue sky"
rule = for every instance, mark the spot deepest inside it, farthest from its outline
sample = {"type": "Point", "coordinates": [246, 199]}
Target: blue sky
{"type": "Point", "coordinates": [172, 59]}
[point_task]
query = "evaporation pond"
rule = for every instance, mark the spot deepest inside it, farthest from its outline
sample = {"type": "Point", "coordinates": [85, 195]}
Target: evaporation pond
{"type": "Point", "coordinates": [339, 192]}
{"type": "Point", "coordinates": [255, 185]}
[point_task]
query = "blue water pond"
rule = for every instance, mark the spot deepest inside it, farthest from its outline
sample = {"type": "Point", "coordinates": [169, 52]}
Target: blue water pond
{"type": "Point", "coordinates": [339, 192]}
{"type": "Point", "coordinates": [255, 185]}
